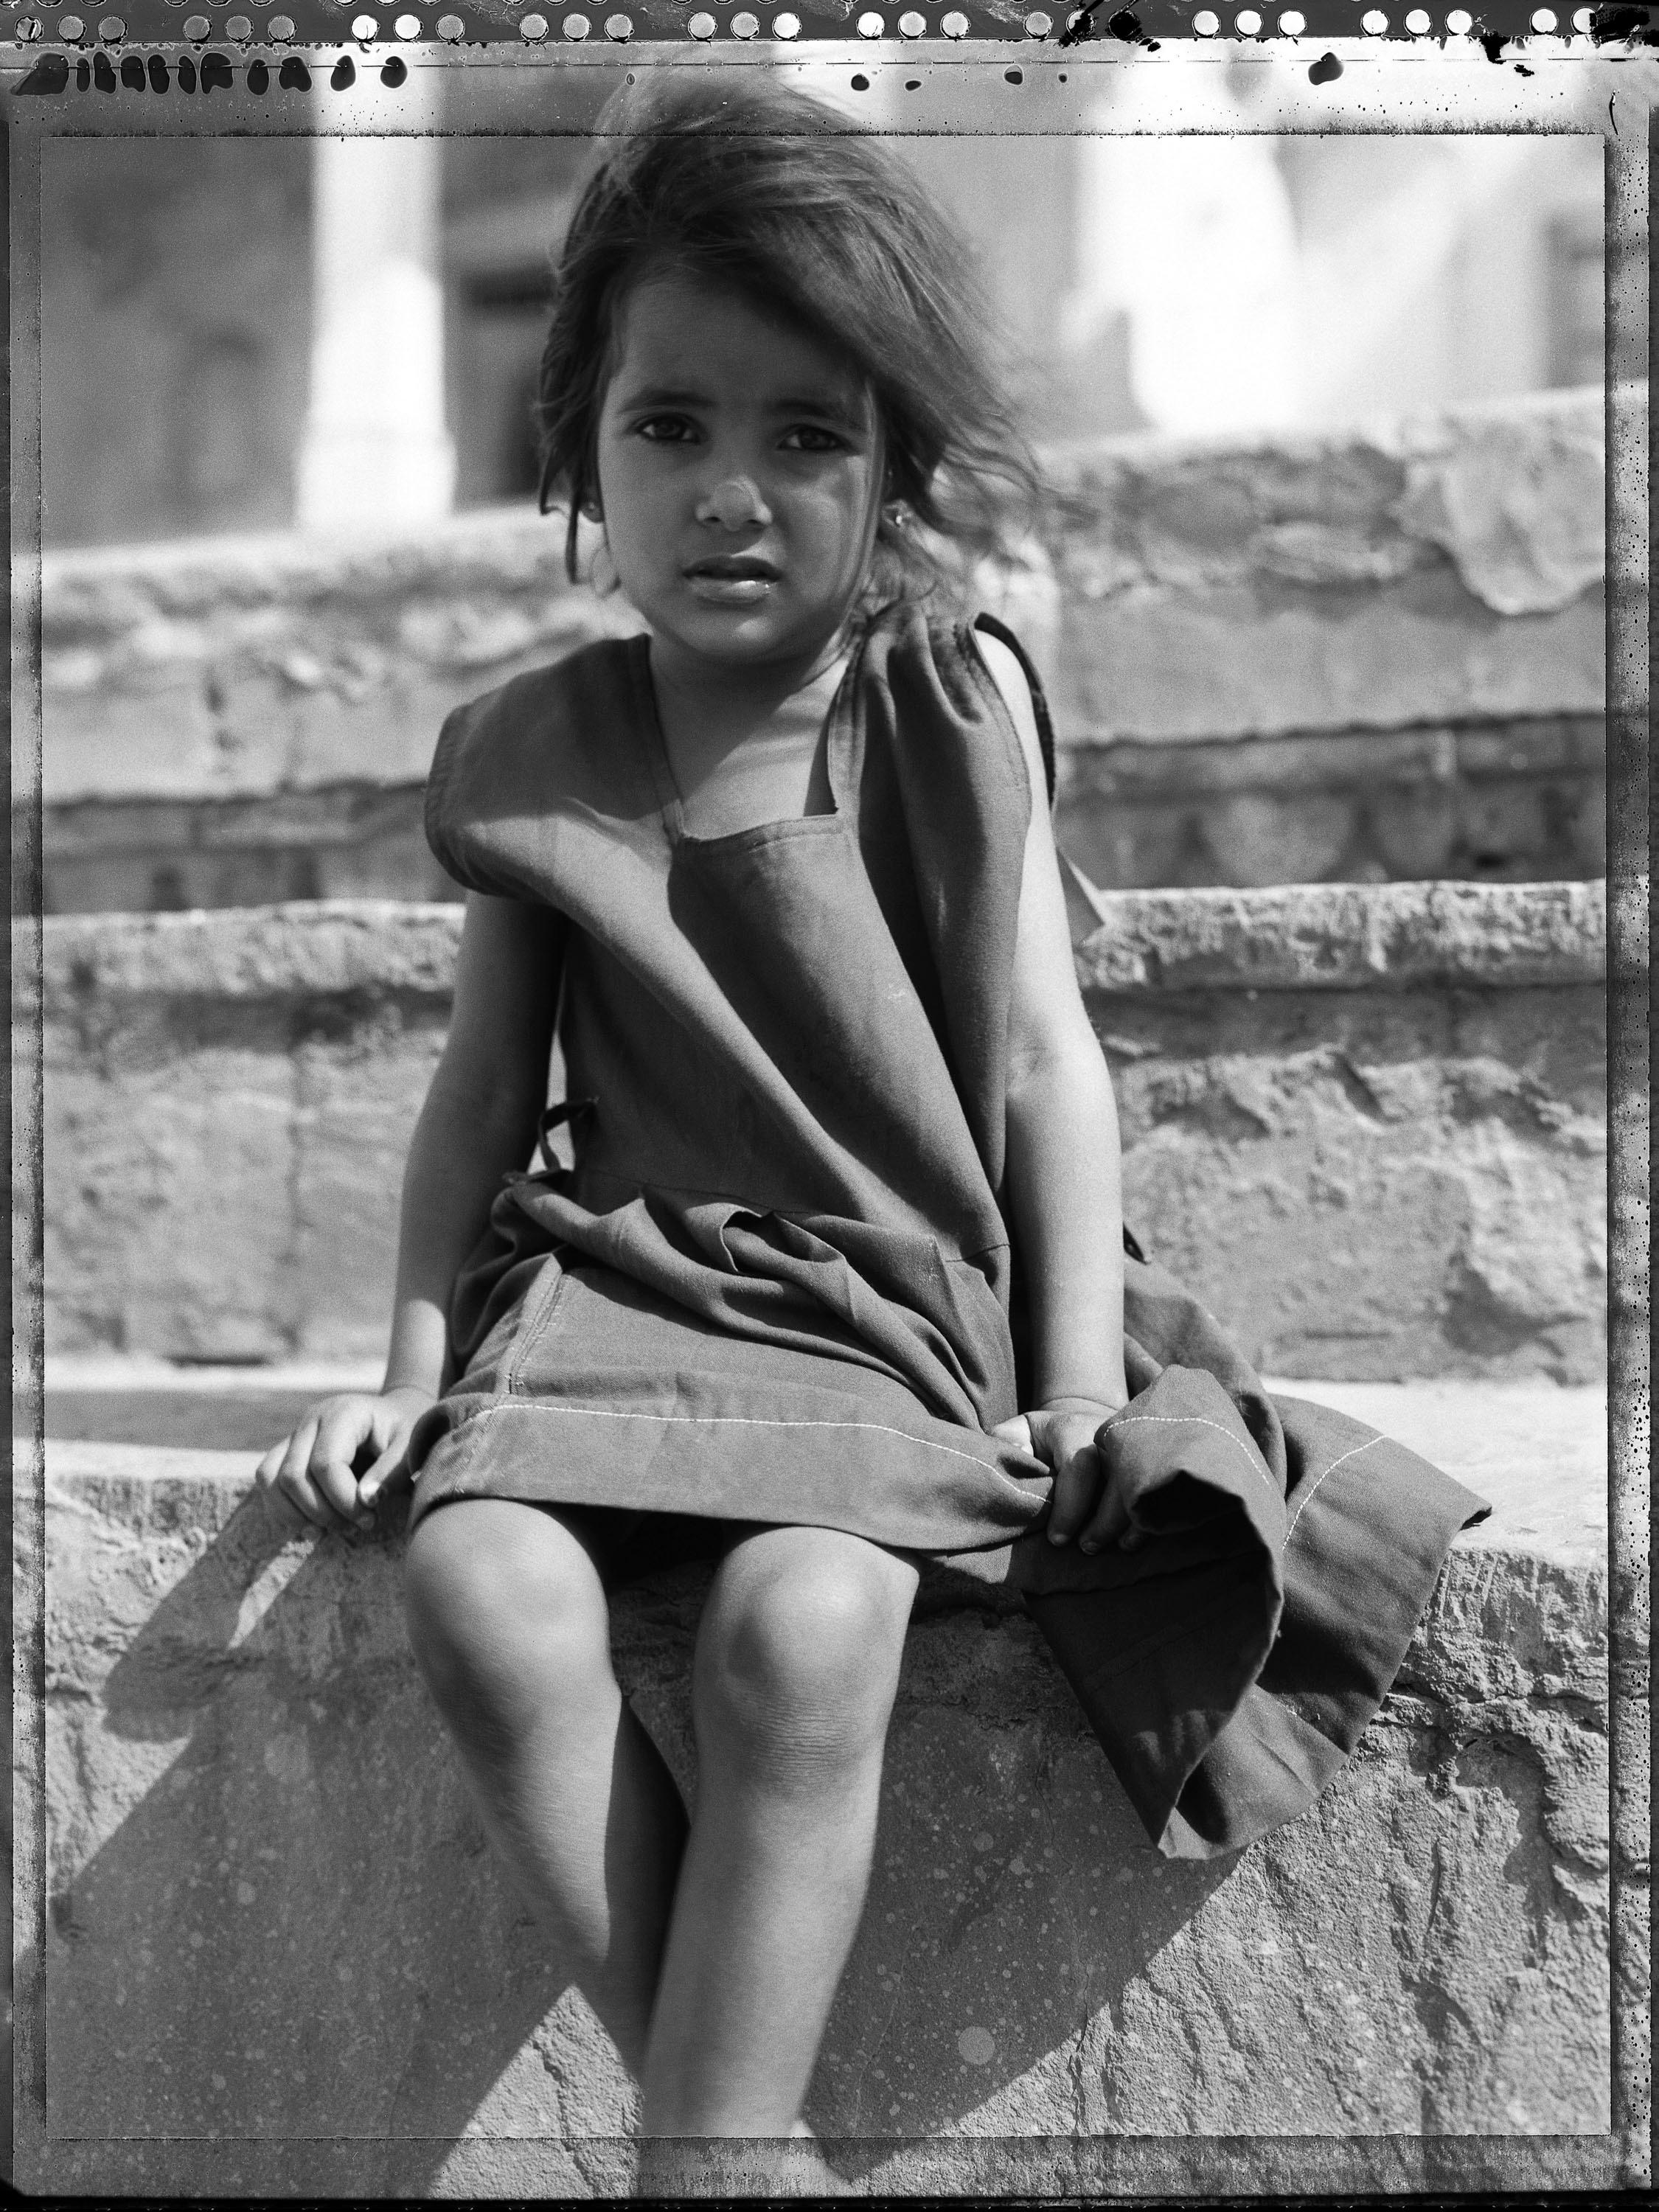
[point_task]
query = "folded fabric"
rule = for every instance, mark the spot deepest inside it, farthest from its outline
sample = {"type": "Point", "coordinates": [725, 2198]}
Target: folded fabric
{"type": "Point", "coordinates": [1230, 1663]}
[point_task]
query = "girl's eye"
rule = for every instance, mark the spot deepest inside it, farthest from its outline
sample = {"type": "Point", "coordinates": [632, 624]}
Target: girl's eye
{"type": "Point", "coordinates": [665, 430]}
{"type": "Point", "coordinates": [808, 438]}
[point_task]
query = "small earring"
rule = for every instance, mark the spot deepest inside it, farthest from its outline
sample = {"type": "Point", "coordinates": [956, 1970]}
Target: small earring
{"type": "Point", "coordinates": [895, 514]}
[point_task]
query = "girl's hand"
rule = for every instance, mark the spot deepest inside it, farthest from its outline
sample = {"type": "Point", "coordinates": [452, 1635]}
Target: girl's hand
{"type": "Point", "coordinates": [1084, 1503]}
{"type": "Point", "coordinates": [312, 1474]}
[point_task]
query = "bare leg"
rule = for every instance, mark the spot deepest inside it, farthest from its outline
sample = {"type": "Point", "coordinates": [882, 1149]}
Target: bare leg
{"type": "Point", "coordinates": [797, 1663]}
{"type": "Point", "coordinates": [508, 1622]}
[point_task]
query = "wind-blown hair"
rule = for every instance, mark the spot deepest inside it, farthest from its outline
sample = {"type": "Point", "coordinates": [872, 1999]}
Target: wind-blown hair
{"type": "Point", "coordinates": [762, 188]}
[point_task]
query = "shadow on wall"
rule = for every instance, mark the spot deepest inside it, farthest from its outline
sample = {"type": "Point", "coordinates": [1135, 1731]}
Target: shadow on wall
{"type": "Point", "coordinates": [291, 1929]}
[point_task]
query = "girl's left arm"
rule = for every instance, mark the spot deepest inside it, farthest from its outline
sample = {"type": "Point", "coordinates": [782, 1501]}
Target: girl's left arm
{"type": "Point", "coordinates": [1064, 1187]}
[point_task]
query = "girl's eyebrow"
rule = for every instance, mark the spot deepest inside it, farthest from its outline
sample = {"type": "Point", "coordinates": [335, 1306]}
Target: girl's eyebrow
{"type": "Point", "coordinates": [831, 408]}
{"type": "Point", "coordinates": [666, 395]}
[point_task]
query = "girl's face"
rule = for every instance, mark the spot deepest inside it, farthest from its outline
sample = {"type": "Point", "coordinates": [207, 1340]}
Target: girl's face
{"type": "Point", "coordinates": [739, 468]}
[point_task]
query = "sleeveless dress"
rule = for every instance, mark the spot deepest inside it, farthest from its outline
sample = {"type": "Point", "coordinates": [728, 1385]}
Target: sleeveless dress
{"type": "Point", "coordinates": [777, 1286]}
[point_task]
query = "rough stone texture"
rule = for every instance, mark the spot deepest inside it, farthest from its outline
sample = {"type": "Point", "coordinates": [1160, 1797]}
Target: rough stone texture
{"type": "Point", "coordinates": [229, 721]}
{"type": "Point", "coordinates": [1366, 1123]}
{"type": "Point", "coordinates": [145, 855]}
{"type": "Point", "coordinates": [1342, 937]}
{"type": "Point", "coordinates": [250, 666]}
{"type": "Point", "coordinates": [1459, 558]}
{"type": "Point", "coordinates": [1521, 801]}
{"type": "Point", "coordinates": [254, 1824]}
{"type": "Point", "coordinates": [1447, 571]}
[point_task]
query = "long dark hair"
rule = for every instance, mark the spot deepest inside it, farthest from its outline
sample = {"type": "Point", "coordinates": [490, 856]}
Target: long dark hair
{"type": "Point", "coordinates": [763, 188]}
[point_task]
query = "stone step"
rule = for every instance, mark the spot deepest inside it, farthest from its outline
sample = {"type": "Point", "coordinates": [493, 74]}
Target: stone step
{"type": "Point", "coordinates": [280, 1959]}
{"type": "Point", "coordinates": [1365, 1124]}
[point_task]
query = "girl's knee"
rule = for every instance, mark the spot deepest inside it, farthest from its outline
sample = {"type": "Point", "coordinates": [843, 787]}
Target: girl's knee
{"type": "Point", "coordinates": [798, 1657]}
{"type": "Point", "coordinates": [505, 1611]}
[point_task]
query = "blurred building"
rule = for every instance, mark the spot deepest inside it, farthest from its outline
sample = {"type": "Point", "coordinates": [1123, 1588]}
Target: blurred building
{"type": "Point", "coordinates": [289, 459]}
{"type": "Point", "coordinates": [246, 334]}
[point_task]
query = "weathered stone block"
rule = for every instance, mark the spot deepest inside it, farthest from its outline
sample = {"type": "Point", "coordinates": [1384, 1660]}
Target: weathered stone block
{"type": "Point", "coordinates": [1364, 1186]}
{"type": "Point", "coordinates": [359, 1093]}
{"type": "Point", "coordinates": [1450, 572]}
{"type": "Point", "coordinates": [1271, 837]}
{"type": "Point", "coordinates": [1366, 1123]}
{"type": "Point", "coordinates": [160, 1229]}
{"type": "Point", "coordinates": [1131, 816]}
{"type": "Point", "coordinates": [1415, 827]}
{"type": "Point", "coordinates": [277, 1954]}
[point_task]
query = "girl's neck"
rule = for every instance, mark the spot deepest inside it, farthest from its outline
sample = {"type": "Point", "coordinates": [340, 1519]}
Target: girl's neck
{"type": "Point", "coordinates": [731, 700]}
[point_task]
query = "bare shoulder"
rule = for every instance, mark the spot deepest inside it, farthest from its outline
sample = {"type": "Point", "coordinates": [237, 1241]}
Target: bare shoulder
{"type": "Point", "coordinates": [1011, 681]}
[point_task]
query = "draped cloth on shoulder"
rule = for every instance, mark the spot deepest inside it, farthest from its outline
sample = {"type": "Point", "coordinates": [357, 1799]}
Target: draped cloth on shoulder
{"type": "Point", "coordinates": [776, 1285]}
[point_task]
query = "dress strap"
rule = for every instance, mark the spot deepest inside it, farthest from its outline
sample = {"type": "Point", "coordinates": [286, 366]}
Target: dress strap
{"type": "Point", "coordinates": [567, 1109]}
{"type": "Point", "coordinates": [1004, 635]}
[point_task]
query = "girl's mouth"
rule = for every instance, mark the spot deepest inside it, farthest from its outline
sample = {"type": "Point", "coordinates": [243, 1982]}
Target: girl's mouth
{"type": "Point", "coordinates": [731, 580]}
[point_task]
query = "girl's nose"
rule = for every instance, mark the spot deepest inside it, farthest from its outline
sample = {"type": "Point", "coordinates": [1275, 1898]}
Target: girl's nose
{"type": "Point", "coordinates": [735, 504]}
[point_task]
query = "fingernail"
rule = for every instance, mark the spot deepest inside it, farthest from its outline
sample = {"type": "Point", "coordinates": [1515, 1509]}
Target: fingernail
{"type": "Point", "coordinates": [1087, 1544]}
{"type": "Point", "coordinates": [1054, 1536]}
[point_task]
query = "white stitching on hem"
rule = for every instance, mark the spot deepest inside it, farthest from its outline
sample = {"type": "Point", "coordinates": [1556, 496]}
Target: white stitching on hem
{"type": "Point", "coordinates": [1181, 1421]}
{"type": "Point", "coordinates": [1353, 1453]}
{"type": "Point", "coordinates": [725, 1421]}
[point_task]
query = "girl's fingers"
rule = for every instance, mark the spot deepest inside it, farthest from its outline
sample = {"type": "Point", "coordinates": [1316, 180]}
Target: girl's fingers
{"type": "Point", "coordinates": [284, 1514]}
{"type": "Point", "coordinates": [340, 1434]}
{"type": "Point", "coordinates": [275, 1471]}
{"type": "Point", "coordinates": [389, 1473]}
{"type": "Point", "coordinates": [293, 1451]}
{"type": "Point", "coordinates": [1076, 1482]}
{"type": "Point", "coordinates": [270, 1465]}
{"type": "Point", "coordinates": [291, 1498]}
{"type": "Point", "coordinates": [1109, 1524]}
{"type": "Point", "coordinates": [302, 1493]}
{"type": "Point", "coordinates": [1017, 1432]}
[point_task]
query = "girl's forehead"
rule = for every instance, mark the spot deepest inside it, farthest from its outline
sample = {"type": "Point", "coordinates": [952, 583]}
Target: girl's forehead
{"type": "Point", "coordinates": [677, 321]}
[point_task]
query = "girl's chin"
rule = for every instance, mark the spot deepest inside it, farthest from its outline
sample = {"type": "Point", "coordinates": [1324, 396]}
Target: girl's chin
{"type": "Point", "coordinates": [744, 634]}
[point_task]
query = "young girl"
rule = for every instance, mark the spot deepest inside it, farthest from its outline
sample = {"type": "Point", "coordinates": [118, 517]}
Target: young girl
{"type": "Point", "coordinates": [838, 1280]}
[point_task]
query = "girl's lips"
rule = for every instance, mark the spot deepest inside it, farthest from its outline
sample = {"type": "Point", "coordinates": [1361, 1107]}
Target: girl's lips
{"type": "Point", "coordinates": [734, 564]}
{"type": "Point", "coordinates": [718, 587]}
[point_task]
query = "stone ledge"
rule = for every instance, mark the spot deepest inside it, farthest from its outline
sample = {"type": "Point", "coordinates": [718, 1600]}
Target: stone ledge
{"type": "Point", "coordinates": [1430, 570]}
{"type": "Point", "coordinates": [1346, 937]}
{"type": "Point", "coordinates": [1034, 1994]}
{"type": "Point", "coordinates": [1289, 938]}
{"type": "Point", "coordinates": [1444, 571]}
{"type": "Point", "coordinates": [1364, 1124]}
{"type": "Point", "coordinates": [1510, 492]}
{"type": "Point", "coordinates": [1510, 802]}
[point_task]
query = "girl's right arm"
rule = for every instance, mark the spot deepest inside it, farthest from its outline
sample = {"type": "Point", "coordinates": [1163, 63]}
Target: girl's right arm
{"type": "Point", "coordinates": [478, 1122]}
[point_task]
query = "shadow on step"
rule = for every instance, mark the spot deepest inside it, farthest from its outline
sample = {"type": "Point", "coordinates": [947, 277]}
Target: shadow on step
{"type": "Point", "coordinates": [292, 1931]}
